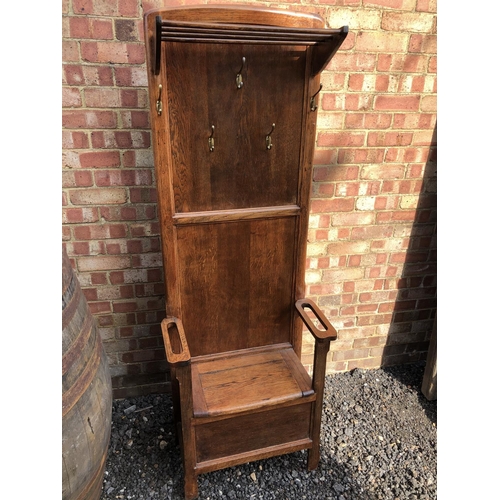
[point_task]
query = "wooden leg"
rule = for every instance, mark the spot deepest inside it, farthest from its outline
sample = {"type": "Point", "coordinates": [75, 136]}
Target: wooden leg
{"type": "Point", "coordinates": [320, 351]}
{"type": "Point", "coordinates": [190, 485]}
{"type": "Point", "coordinates": [175, 403]}
{"type": "Point", "coordinates": [188, 442]}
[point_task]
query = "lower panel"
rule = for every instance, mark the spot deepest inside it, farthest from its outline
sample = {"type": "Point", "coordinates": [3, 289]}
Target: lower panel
{"type": "Point", "coordinates": [236, 283]}
{"type": "Point", "coordinates": [250, 456]}
{"type": "Point", "coordinates": [253, 432]}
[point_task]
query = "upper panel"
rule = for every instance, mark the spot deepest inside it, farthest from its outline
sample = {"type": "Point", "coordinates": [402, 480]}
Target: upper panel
{"type": "Point", "coordinates": [242, 169]}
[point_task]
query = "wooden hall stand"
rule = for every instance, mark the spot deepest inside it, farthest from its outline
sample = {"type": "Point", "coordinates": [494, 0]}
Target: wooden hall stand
{"type": "Point", "coordinates": [233, 94]}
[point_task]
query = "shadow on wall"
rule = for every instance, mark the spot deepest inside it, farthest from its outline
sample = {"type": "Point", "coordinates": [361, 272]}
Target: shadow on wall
{"type": "Point", "coordinates": [415, 306]}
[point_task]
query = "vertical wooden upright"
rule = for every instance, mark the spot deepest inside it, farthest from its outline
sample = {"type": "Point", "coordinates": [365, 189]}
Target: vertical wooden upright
{"type": "Point", "coordinates": [233, 93]}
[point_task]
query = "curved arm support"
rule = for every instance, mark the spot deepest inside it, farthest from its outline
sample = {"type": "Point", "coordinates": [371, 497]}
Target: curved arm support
{"type": "Point", "coordinates": [176, 346]}
{"type": "Point", "coordinates": [329, 333]}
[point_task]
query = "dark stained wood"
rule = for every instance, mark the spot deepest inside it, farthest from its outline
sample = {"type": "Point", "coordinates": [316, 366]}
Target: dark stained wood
{"type": "Point", "coordinates": [175, 341]}
{"type": "Point", "coordinates": [239, 14]}
{"type": "Point", "coordinates": [240, 172]}
{"type": "Point", "coordinates": [324, 51]}
{"type": "Point", "coordinates": [249, 456]}
{"type": "Point", "coordinates": [248, 380]}
{"type": "Point", "coordinates": [233, 165]}
{"type": "Point", "coordinates": [328, 333]}
{"type": "Point", "coordinates": [254, 260]}
{"type": "Point", "coordinates": [250, 432]}
{"type": "Point", "coordinates": [235, 215]}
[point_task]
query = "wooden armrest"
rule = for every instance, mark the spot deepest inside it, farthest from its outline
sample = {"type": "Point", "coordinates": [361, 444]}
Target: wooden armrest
{"type": "Point", "coordinates": [176, 346]}
{"type": "Point", "coordinates": [329, 333]}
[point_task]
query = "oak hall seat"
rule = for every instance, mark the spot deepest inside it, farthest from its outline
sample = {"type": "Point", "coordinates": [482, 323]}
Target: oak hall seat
{"type": "Point", "coordinates": [233, 94]}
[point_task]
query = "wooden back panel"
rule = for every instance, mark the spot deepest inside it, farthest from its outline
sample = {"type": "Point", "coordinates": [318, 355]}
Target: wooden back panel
{"type": "Point", "coordinates": [234, 220]}
{"type": "Point", "coordinates": [202, 93]}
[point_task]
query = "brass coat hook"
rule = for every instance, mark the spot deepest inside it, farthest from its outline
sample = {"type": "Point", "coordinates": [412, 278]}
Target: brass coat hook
{"type": "Point", "coordinates": [313, 104]}
{"type": "Point", "coordinates": [239, 78]}
{"type": "Point", "coordinates": [269, 144]}
{"type": "Point", "coordinates": [211, 144]}
{"type": "Point", "coordinates": [159, 107]}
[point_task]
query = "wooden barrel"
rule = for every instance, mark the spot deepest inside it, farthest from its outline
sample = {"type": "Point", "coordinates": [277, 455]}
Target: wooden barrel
{"type": "Point", "coordinates": [86, 395]}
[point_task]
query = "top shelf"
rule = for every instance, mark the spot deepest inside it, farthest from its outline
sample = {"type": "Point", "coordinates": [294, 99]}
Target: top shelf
{"type": "Point", "coordinates": [325, 41]}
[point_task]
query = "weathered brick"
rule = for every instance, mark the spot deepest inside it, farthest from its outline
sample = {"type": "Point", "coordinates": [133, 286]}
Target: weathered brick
{"type": "Point", "coordinates": [84, 27]}
{"type": "Point", "coordinates": [119, 213]}
{"type": "Point", "coordinates": [369, 41]}
{"type": "Point", "coordinates": [389, 4]}
{"type": "Point", "coordinates": [349, 102]}
{"type": "Point", "coordinates": [71, 98]}
{"type": "Point", "coordinates": [121, 139]}
{"type": "Point", "coordinates": [83, 6]}
{"type": "Point", "coordinates": [341, 139]}
{"type": "Point", "coordinates": [346, 62]}
{"type": "Point", "coordinates": [126, 30]}
{"type": "Point", "coordinates": [113, 52]}
{"type": "Point", "coordinates": [423, 43]}
{"type": "Point", "coordinates": [382, 172]}
{"type": "Point", "coordinates": [356, 19]}
{"type": "Point", "coordinates": [77, 178]}
{"type": "Point", "coordinates": [414, 120]}
{"type": "Point", "coordinates": [77, 215]}
{"type": "Point", "coordinates": [432, 67]}
{"type": "Point", "coordinates": [83, 118]}
{"type": "Point", "coordinates": [348, 247]}
{"type": "Point", "coordinates": [123, 177]}
{"type": "Point", "coordinates": [102, 97]}
{"type": "Point", "coordinates": [135, 119]}
{"type": "Point", "coordinates": [365, 203]}
{"type": "Point", "coordinates": [424, 138]}
{"type": "Point", "coordinates": [98, 196]}
{"type": "Point", "coordinates": [414, 63]}
{"type": "Point", "coordinates": [330, 121]}
{"type": "Point", "coordinates": [100, 231]}
{"type": "Point", "coordinates": [70, 51]}
{"type": "Point", "coordinates": [74, 140]}
{"type": "Point", "coordinates": [128, 8]}
{"type": "Point", "coordinates": [335, 205]}
{"type": "Point", "coordinates": [389, 138]}
{"type": "Point", "coordinates": [391, 63]}
{"type": "Point", "coordinates": [333, 81]}
{"type": "Point", "coordinates": [73, 74]}
{"type": "Point", "coordinates": [407, 22]}
{"type": "Point", "coordinates": [100, 159]}
{"type": "Point", "coordinates": [397, 102]}
{"type": "Point", "coordinates": [100, 263]}
{"type": "Point", "coordinates": [97, 75]}
{"type": "Point", "coordinates": [353, 219]}
{"type": "Point", "coordinates": [360, 155]}
{"type": "Point", "coordinates": [429, 103]}
{"type": "Point", "coordinates": [426, 6]}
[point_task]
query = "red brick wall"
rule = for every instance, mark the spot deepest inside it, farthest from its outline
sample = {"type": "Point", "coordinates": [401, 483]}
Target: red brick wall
{"type": "Point", "coordinates": [372, 247]}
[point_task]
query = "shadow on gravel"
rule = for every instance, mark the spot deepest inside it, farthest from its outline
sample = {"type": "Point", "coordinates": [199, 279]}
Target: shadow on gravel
{"type": "Point", "coordinates": [411, 376]}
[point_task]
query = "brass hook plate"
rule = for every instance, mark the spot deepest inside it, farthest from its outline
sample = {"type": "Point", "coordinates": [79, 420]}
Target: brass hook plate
{"type": "Point", "coordinates": [313, 104]}
{"type": "Point", "coordinates": [239, 78]}
{"type": "Point", "coordinates": [159, 107]}
{"type": "Point", "coordinates": [269, 144]}
{"type": "Point", "coordinates": [211, 144]}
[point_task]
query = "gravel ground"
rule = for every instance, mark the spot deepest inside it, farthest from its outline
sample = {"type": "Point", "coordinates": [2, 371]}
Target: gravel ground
{"type": "Point", "coordinates": [378, 441]}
